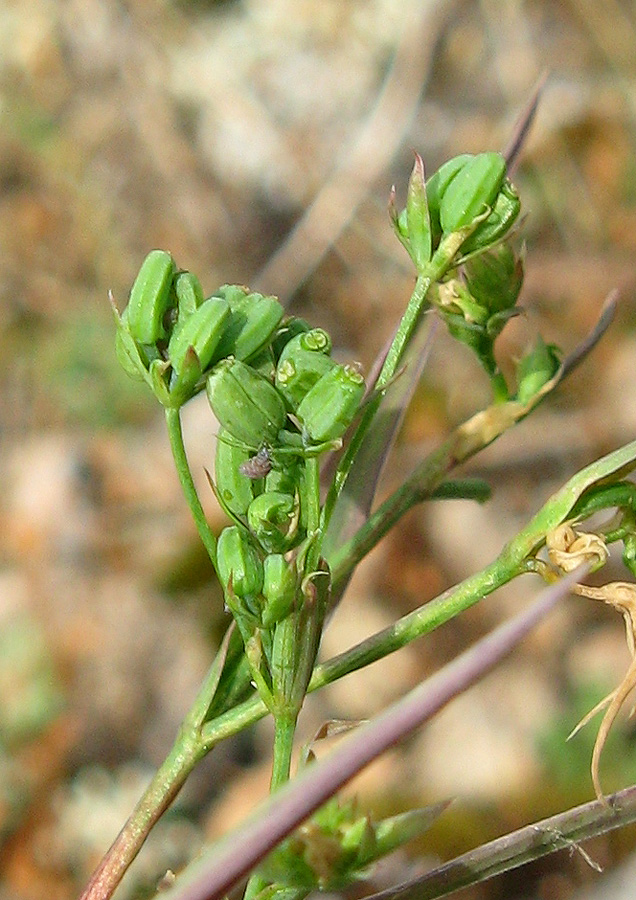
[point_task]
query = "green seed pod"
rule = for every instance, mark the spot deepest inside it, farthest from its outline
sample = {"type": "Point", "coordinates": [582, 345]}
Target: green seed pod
{"type": "Point", "coordinates": [235, 490]}
{"type": "Point", "coordinates": [494, 278]}
{"type": "Point", "coordinates": [189, 294]}
{"type": "Point", "coordinates": [273, 520]}
{"type": "Point", "coordinates": [239, 564]}
{"type": "Point", "coordinates": [280, 581]}
{"type": "Point", "coordinates": [330, 406]}
{"type": "Point", "coordinates": [535, 369]}
{"type": "Point", "coordinates": [202, 331]}
{"type": "Point", "coordinates": [436, 187]}
{"type": "Point", "coordinates": [151, 297]}
{"type": "Point", "coordinates": [254, 320]}
{"type": "Point", "coordinates": [245, 403]}
{"type": "Point", "coordinates": [302, 363]}
{"type": "Point", "coordinates": [503, 216]}
{"type": "Point", "coordinates": [472, 190]}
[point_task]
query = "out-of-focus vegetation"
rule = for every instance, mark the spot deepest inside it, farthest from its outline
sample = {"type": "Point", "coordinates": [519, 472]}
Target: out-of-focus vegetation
{"type": "Point", "coordinates": [213, 129]}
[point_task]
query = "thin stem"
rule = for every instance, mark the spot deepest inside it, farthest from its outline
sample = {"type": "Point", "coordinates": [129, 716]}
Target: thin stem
{"type": "Point", "coordinates": [166, 783]}
{"type": "Point", "coordinates": [435, 270]}
{"type": "Point", "coordinates": [164, 787]}
{"type": "Point", "coordinates": [175, 434]}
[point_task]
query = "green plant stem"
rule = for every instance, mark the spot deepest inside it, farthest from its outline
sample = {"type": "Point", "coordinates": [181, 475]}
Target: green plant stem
{"type": "Point", "coordinates": [284, 731]}
{"type": "Point", "coordinates": [175, 434]}
{"type": "Point", "coordinates": [436, 269]}
{"type": "Point", "coordinates": [187, 751]}
{"type": "Point", "coordinates": [164, 787]}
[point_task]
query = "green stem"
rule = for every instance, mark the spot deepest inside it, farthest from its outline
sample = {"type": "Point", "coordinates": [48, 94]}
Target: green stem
{"type": "Point", "coordinates": [284, 731]}
{"type": "Point", "coordinates": [187, 751]}
{"type": "Point", "coordinates": [416, 624]}
{"type": "Point", "coordinates": [164, 787]}
{"type": "Point", "coordinates": [175, 434]}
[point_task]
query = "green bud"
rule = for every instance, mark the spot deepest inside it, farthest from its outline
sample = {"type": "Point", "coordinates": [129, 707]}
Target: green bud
{"type": "Point", "coordinates": [151, 298]}
{"type": "Point", "coordinates": [436, 187]}
{"type": "Point", "coordinates": [494, 278]}
{"type": "Point", "coordinates": [330, 406]}
{"type": "Point", "coordinates": [284, 478]}
{"type": "Point", "coordinates": [503, 216]}
{"type": "Point", "coordinates": [245, 403]}
{"type": "Point", "coordinates": [254, 321]}
{"type": "Point", "coordinates": [273, 520]}
{"type": "Point", "coordinates": [536, 368]}
{"type": "Point", "coordinates": [239, 564]}
{"type": "Point", "coordinates": [234, 489]}
{"type": "Point", "coordinates": [280, 581]}
{"type": "Point", "coordinates": [472, 190]}
{"type": "Point", "coordinates": [302, 363]}
{"type": "Point", "coordinates": [202, 331]}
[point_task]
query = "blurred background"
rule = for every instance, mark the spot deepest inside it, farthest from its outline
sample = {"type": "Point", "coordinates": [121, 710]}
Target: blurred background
{"type": "Point", "coordinates": [257, 140]}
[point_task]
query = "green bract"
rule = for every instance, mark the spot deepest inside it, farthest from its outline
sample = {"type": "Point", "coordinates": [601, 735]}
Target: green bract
{"type": "Point", "coordinates": [254, 320]}
{"type": "Point", "coordinates": [235, 490]}
{"type": "Point", "coordinates": [150, 298]}
{"type": "Point", "coordinates": [273, 520]}
{"type": "Point", "coordinates": [245, 403]}
{"type": "Point", "coordinates": [471, 191]}
{"type": "Point", "coordinates": [202, 331]}
{"type": "Point", "coordinates": [239, 564]}
{"type": "Point", "coordinates": [304, 360]}
{"type": "Point", "coordinates": [328, 409]}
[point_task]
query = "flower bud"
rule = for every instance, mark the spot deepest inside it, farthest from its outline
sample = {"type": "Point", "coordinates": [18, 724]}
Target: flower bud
{"type": "Point", "coordinates": [234, 489]}
{"type": "Point", "coordinates": [253, 322]}
{"type": "Point", "coordinates": [330, 406]}
{"type": "Point", "coordinates": [150, 298]}
{"type": "Point", "coordinates": [494, 278]}
{"type": "Point", "coordinates": [280, 581]}
{"type": "Point", "coordinates": [245, 403]}
{"type": "Point", "coordinates": [202, 331]}
{"type": "Point", "coordinates": [471, 191]}
{"type": "Point", "coordinates": [302, 363]}
{"type": "Point", "coordinates": [535, 369]}
{"type": "Point", "coordinates": [436, 187]}
{"type": "Point", "coordinates": [239, 564]}
{"type": "Point", "coordinates": [273, 520]}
